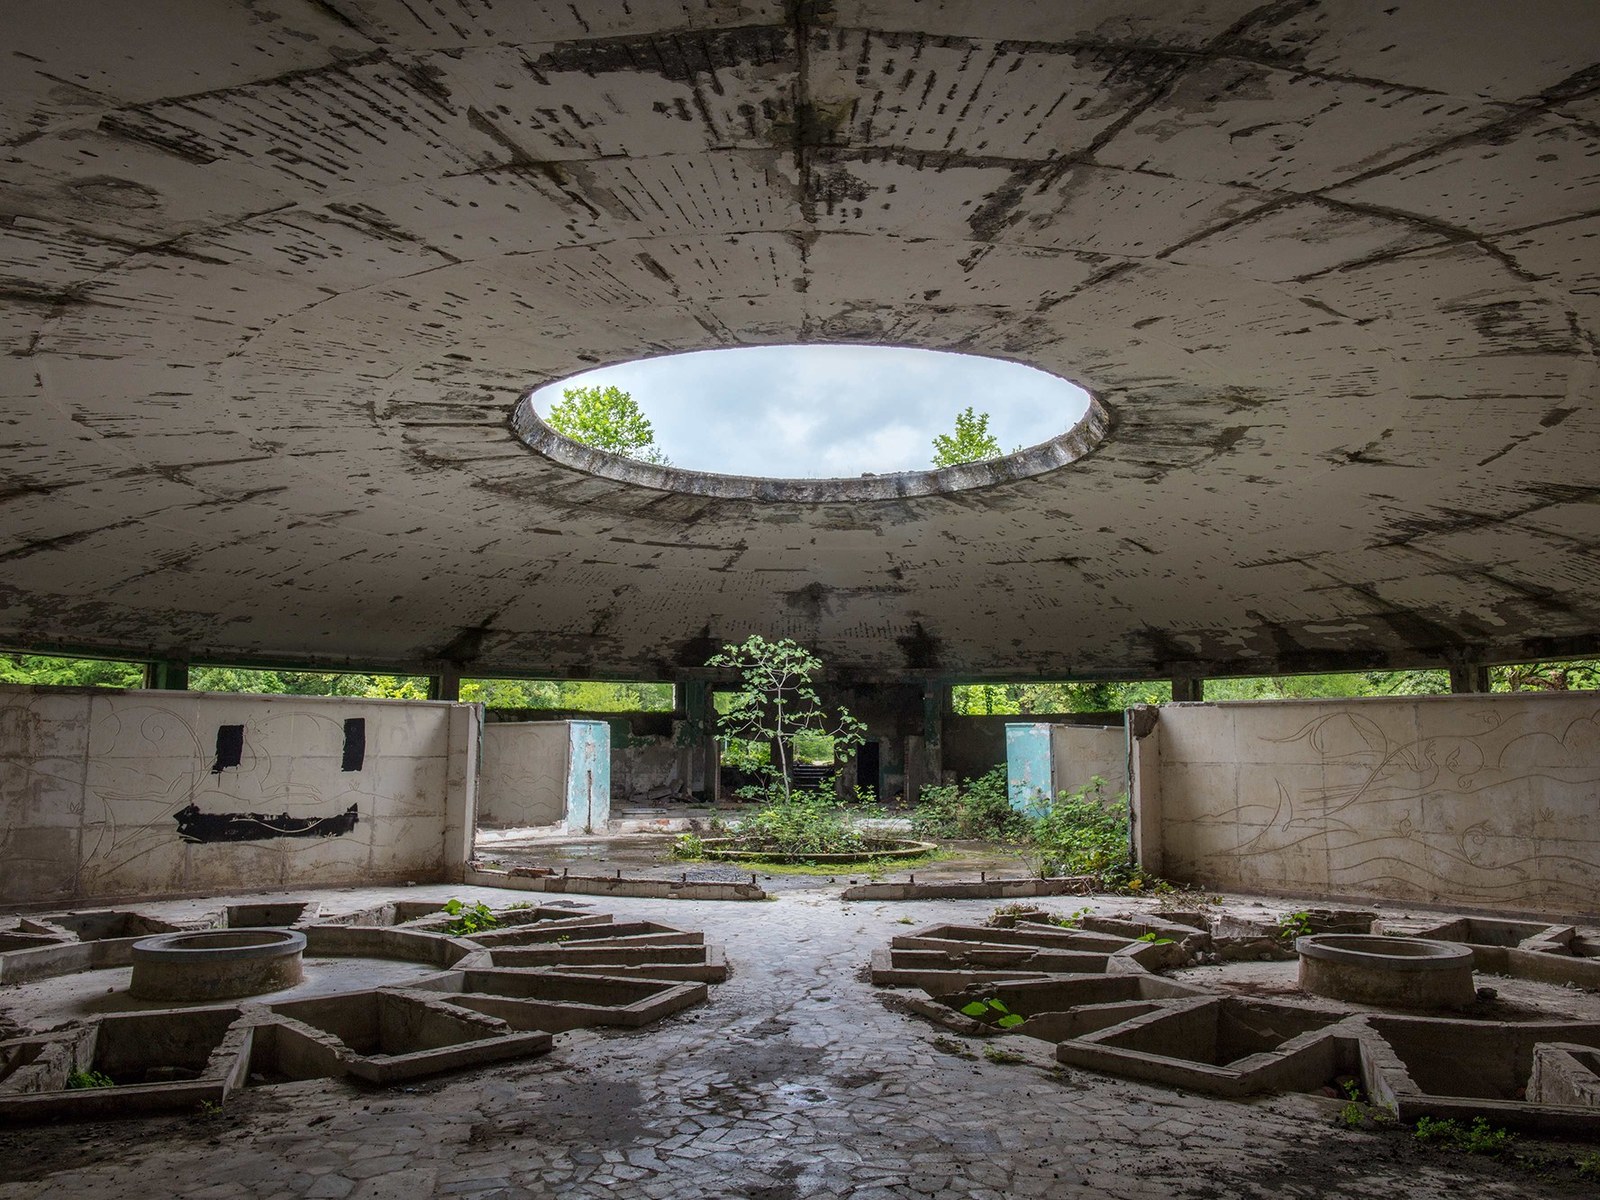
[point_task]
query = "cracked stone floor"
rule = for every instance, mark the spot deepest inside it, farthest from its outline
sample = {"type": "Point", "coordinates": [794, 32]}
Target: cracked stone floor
{"type": "Point", "coordinates": [795, 1080]}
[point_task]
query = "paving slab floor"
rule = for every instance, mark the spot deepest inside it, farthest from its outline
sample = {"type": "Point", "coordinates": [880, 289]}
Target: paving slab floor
{"type": "Point", "coordinates": [794, 1081]}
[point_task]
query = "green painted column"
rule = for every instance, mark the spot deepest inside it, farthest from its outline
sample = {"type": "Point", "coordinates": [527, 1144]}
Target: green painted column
{"type": "Point", "coordinates": [167, 675]}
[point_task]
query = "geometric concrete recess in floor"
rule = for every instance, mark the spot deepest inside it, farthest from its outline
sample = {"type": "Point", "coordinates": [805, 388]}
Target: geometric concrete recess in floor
{"type": "Point", "coordinates": [470, 1000]}
{"type": "Point", "coordinates": [1102, 989]}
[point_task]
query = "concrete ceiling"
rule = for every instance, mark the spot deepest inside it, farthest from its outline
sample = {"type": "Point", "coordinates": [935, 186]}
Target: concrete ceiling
{"type": "Point", "coordinates": [275, 273]}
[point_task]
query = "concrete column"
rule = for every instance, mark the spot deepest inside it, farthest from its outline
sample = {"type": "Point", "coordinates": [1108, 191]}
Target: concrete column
{"type": "Point", "coordinates": [1469, 678]}
{"type": "Point", "coordinates": [446, 685]}
{"type": "Point", "coordinates": [1187, 689]}
{"type": "Point", "coordinates": [167, 675]}
{"type": "Point", "coordinates": [710, 751]}
{"type": "Point", "coordinates": [935, 699]}
{"type": "Point", "coordinates": [1144, 785]}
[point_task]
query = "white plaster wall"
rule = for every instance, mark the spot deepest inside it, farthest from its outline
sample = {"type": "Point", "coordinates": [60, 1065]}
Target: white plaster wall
{"type": "Point", "coordinates": [524, 779]}
{"type": "Point", "coordinates": [91, 782]}
{"type": "Point", "coordinates": [1481, 800]}
{"type": "Point", "coordinates": [1080, 752]}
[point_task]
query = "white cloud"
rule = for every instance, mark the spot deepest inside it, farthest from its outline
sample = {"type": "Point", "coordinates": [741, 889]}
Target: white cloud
{"type": "Point", "coordinates": [830, 410]}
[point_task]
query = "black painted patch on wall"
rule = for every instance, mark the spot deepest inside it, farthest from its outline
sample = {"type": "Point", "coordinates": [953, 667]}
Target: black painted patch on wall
{"type": "Point", "coordinates": [355, 744]}
{"type": "Point", "coordinates": [197, 826]}
{"type": "Point", "coordinates": [230, 747]}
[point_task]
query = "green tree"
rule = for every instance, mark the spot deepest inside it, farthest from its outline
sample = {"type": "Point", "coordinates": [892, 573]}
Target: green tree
{"type": "Point", "coordinates": [778, 702]}
{"type": "Point", "coordinates": [971, 442]}
{"type": "Point", "coordinates": [607, 419]}
{"type": "Point", "coordinates": [50, 671]}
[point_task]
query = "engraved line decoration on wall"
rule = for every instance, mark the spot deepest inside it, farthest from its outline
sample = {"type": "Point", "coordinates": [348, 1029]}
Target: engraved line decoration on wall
{"type": "Point", "coordinates": [150, 774]}
{"type": "Point", "coordinates": [1508, 809]}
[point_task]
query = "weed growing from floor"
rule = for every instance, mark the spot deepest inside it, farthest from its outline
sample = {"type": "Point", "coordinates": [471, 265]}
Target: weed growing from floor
{"type": "Point", "coordinates": [1478, 1138]}
{"type": "Point", "coordinates": [89, 1079]}
{"type": "Point", "coordinates": [469, 919]}
{"type": "Point", "coordinates": [977, 809]}
{"type": "Point", "coordinates": [992, 1012]}
{"type": "Point", "coordinates": [1083, 833]}
{"type": "Point", "coordinates": [1002, 1057]}
{"type": "Point", "coordinates": [1294, 925]}
{"type": "Point", "coordinates": [1588, 1165]}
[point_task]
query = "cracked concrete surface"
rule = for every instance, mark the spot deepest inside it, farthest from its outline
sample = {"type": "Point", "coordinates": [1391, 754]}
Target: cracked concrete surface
{"type": "Point", "coordinates": [273, 275]}
{"type": "Point", "coordinates": [793, 1080]}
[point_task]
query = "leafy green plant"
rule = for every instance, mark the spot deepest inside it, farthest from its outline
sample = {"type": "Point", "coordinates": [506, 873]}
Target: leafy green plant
{"type": "Point", "coordinates": [805, 824]}
{"type": "Point", "coordinates": [1351, 1115]}
{"type": "Point", "coordinates": [469, 919]}
{"type": "Point", "coordinates": [1154, 939]}
{"type": "Point", "coordinates": [992, 1012]}
{"type": "Point", "coordinates": [1081, 833]}
{"type": "Point", "coordinates": [1294, 925]}
{"type": "Point", "coordinates": [89, 1079]}
{"type": "Point", "coordinates": [1588, 1165]}
{"type": "Point", "coordinates": [1478, 1138]}
{"type": "Point", "coordinates": [688, 847]}
{"type": "Point", "coordinates": [978, 809]}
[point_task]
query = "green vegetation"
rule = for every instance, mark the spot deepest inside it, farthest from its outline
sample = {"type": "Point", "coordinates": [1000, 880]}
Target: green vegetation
{"type": "Point", "coordinates": [607, 419]}
{"type": "Point", "coordinates": [1478, 1138]}
{"type": "Point", "coordinates": [1294, 925]}
{"type": "Point", "coordinates": [992, 1012]}
{"type": "Point", "coordinates": [801, 826]}
{"type": "Point", "coordinates": [570, 695]}
{"type": "Point", "coordinates": [689, 847]}
{"type": "Point", "coordinates": [89, 1079]}
{"type": "Point", "coordinates": [777, 705]}
{"type": "Point", "coordinates": [1031, 699]}
{"type": "Point", "coordinates": [1154, 938]}
{"type": "Point", "coordinates": [1082, 834]}
{"type": "Point", "coordinates": [977, 809]}
{"type": "Point", "coordinates": [43, 670]}
{"type": "Point", "coordinates": [1352, 1115]}
{"type": "Point", "coordinates": [971, 442]}
{"type": "Point", "coordinates": [1588, 1165]}
{"type": "Point", "coordinates": [469, 918]}
{"type": "Point", "coordinates": [1003, 1057]}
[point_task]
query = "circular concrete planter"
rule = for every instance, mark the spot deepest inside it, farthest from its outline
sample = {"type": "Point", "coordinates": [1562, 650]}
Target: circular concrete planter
{"type": "Point", "coordinates": [1386, 971]}
{"type": "Point", "coordinates": [216, 964]}
{"type": "Point", "coordinates": [729, 850]}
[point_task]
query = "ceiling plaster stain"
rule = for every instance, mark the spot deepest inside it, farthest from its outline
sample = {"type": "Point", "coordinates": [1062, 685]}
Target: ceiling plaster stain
{"type": "Point", "coordinates": [269, 306]}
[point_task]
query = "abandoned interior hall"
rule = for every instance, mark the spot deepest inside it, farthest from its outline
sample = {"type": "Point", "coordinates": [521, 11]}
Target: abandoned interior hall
{"type": "Point", "coordinates": [278, 282]}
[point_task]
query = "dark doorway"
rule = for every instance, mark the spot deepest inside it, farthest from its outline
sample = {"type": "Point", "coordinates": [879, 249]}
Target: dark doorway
{"type": "Point", "coordinates": [868, 764]}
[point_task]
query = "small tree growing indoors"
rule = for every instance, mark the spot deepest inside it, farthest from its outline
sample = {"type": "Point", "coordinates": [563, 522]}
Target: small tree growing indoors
{"type": "Point", "coordinates": [777, 701]}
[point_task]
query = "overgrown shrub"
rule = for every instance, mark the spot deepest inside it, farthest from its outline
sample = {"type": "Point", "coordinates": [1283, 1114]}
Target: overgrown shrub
{"type": "Point", "coordinates": [1084, 833]}
{"type": "Point", "coordinates": [978, 808]}
{"type": "Point", "coordinates": [807, 823]}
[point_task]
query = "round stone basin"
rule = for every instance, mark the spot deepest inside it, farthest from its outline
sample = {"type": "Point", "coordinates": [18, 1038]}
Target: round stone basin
{"type": "Point", "coordinates": [217, 964]}
{"type": "Point", "coordinates": [1385, 971]}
